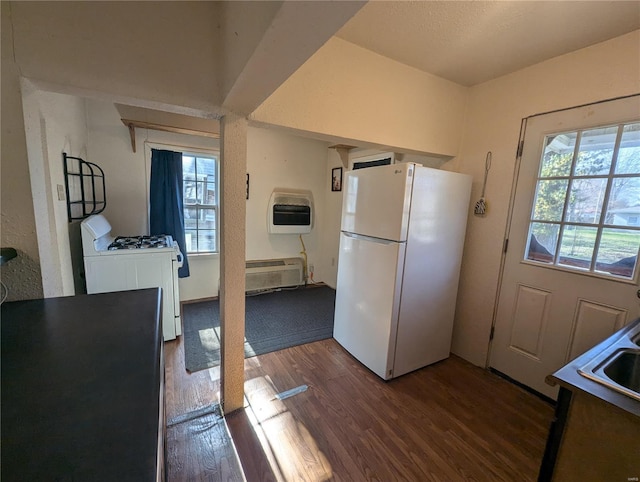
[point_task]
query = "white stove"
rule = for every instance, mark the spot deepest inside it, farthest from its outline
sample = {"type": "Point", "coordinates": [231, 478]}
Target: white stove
{"type": "Point", "coordinates": [133, 262]}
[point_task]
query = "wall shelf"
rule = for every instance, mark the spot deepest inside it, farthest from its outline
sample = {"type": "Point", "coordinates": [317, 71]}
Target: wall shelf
{"type": "Point", "coordinates": [132, 124]}
{"type": "Point", "coordinates": [343, 152]}
{"type": "Point", "coordinates": [85, 188]}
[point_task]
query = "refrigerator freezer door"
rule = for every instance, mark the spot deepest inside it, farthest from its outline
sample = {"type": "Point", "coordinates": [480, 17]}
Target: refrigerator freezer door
{"type": "Point", "coordinates": [377, 201]}
{"type": "Point", "coordinates": [368, 300]}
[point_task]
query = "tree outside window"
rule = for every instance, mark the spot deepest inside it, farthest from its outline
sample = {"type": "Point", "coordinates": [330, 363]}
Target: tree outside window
{"type": "Point", "coordinates": [587, 194]}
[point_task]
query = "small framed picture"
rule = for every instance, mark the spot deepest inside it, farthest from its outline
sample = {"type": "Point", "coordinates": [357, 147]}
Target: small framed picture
{"type": "Point", "coordinates": [336, 179]}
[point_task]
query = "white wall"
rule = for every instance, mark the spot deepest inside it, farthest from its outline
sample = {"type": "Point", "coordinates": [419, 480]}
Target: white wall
{"type": "Point", "coordinates": [127, 180]}
{"type": "Point", "coordinates": [327, 270]}
{"type": "Point", "coordinates": [126, 171]}
{"type": "Point", "coordinates": [64, 118]}
{"type": "Point", "coordinates": [495, 110]}
{"type": "Point", "coordinates": [54, 123]}
{"type": "Point", "coordinates": [279, 160]}
{"type": "Point", "coordinates": [242, 27]}
{"type": "Point", "coordinates": [159, 52]}
{"type": "Point", "coordinates": [274, 159]}
{"type": "Point", "coordinates": [351, 93]}
{"type": "Point", "coordinates": [22, 275]}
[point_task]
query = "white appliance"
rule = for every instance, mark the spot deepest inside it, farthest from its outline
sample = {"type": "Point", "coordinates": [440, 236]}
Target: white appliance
{"type": "Point", "coordinates": [290, 212]}
{"type": "Point", "coordinates": [401, 241]}
{"type": "Point", "coordinates": [133, 262]}
{"type": "Point", "coordinates": [372, 160]}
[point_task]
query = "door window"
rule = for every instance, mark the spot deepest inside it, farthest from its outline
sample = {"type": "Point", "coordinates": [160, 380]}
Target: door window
{"type": "Point", "coordinates": [587, 202]}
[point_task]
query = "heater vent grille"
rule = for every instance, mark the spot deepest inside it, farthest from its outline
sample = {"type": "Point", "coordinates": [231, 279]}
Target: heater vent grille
{"type": "Point", "coordinates": [273, 273]}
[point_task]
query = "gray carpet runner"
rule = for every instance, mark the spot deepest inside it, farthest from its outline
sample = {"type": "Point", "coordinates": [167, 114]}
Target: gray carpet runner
{"type": "Point", "coordinates": [273, 321]}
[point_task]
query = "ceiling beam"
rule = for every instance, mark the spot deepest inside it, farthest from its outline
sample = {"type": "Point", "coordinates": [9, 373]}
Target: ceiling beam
{"type": "Point", "coordinates": [297, 31]}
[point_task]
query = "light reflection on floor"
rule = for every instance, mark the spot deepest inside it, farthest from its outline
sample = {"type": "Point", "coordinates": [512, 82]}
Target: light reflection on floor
{"type": "Point", "coordinates": [288, 446]}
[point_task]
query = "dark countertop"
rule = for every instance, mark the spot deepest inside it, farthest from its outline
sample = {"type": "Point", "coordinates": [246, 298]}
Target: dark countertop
{"type": "Point", "coordinates": [569, 377]}
{"type": "Point", "coordinates": [81, 382]}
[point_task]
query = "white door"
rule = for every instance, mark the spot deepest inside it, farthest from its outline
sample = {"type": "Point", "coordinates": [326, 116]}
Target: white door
{"type": "Point", "coordinates": [377, 200]}
{"type": "Point", "coordinates": [368, 300]}
{"type": "Point", "coordinates": [570, 272]}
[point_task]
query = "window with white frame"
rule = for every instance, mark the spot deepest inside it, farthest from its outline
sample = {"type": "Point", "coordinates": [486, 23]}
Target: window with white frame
{"type": "Point", "coordinates": [587, 201]}
{"type": "Point", "coordinates": [200, 197]}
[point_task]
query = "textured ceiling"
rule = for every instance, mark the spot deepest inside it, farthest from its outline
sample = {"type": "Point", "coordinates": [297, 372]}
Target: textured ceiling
{"type": "Point", "coordinates": [469, 42]}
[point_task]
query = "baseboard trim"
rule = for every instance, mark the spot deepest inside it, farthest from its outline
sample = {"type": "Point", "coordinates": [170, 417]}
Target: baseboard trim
{"type": "Point", "coordinates": [213, 298]}
{"type": "Point", "coordinates": [543, 397]}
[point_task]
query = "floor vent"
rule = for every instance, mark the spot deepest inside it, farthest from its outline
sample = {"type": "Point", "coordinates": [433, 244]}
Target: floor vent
{"type": "Point", "coordinates": [273, 273]}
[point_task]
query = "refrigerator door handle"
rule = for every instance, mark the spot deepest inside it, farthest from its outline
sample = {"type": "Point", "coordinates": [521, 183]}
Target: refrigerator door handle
{"type": "Point", "coordinates": [370, 238]}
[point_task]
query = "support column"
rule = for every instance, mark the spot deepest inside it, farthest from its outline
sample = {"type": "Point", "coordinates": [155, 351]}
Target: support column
{"type": "Point", "coordinates": [233, 169]}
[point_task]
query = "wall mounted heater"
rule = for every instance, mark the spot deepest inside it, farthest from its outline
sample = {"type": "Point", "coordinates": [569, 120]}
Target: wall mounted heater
{"type": "Point", "coordinates": [290, 212]}
{"type": "Point", "coordinates": [273, 273]}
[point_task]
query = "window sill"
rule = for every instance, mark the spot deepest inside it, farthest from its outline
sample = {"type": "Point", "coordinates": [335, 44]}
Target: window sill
{"type": "Point", "coordinates": [202, 255]}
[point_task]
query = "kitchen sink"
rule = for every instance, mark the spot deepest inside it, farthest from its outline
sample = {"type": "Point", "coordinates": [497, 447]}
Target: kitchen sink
{"type": "Point", "coordinates": [618, 365]}
{"type": "Point", "coordinates": [624, 369]}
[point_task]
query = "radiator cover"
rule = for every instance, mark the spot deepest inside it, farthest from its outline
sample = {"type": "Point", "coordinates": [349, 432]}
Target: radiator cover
{"type": "Point", "coordinates": [273, 273]}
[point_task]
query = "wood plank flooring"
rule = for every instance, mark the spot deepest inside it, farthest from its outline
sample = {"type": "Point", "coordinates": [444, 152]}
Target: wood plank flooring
{"type": "Point", "coordinates": [451, 421]}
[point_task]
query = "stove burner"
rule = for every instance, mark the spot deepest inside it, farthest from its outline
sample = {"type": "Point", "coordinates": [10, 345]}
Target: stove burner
{"type": "Point", "coordinates": [140, 242]}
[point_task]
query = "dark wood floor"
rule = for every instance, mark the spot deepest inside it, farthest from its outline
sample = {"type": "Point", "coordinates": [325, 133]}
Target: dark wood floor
{"type": "Point", "coordinates": [447, 422]}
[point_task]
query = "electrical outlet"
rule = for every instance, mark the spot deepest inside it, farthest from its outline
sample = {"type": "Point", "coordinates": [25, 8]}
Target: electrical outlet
{"type": "Point", "coordinates": [311, 270]}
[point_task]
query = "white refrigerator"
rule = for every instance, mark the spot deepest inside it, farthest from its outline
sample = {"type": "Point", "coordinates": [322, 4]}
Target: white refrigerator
{"type": "Point", "coordinates": [401, 242]}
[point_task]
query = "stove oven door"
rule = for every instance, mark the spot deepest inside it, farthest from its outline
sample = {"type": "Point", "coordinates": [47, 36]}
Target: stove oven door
{"type": "Point", "coordinates": [119, 272]}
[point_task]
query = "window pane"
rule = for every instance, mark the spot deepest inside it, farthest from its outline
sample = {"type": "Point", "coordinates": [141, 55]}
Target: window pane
{"type": "Point", "coordinates": [618, 252]}
{"type": "Point", "coordinates": [582, 188]}
{"type": "Point", "coordinates": [549, 201]}
{"type": "Point", "coordinates": [190, 195]}
{"type": "Point", "coordinates": [210, 194]}
{"type": "Point", "coordinates": [206, 240]}
{"type": "Point", "coordinates": [190, 218]}
{"type": "Point", "coordinates": [543, 241]}
{"type": "Point", "coordinates": [585, 200]}
{"type": "Point", "coordinates": [201, 188]}
{"type": "Point", "coordinates": [207, 167]}
{"type": "Point", "coordinates": [629, 154]}
{"type": "Point", "coordinates": [207, 219]}
{"type": "Point", "coordinates": [624, 202]}
{"type": "Point", "coordinates": [188, 166]}
{"type": "Point", "coordinates": [191, 239]}
{"type": "Point", "coordinates": [596, 151]}
{"type": "Point", "coordinates": [558, 155]}
{"type": "Point", "coordinates": [576, 247]}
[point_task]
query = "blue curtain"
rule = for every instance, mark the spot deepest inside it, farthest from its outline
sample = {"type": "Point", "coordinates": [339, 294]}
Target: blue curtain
{"type": "Point", "coordinates": [166, 214]}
